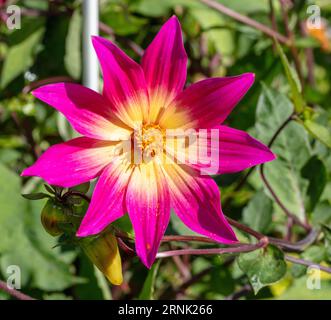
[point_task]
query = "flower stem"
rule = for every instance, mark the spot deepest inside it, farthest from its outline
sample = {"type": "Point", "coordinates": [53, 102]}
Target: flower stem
{"type": "Point", "coordinates": [13, 292]}
{"type": "Point", "coordinates": [286, 245]}
{"type": "Point", "coordinates": [250, 171]}
{"type": "Point", "coordinates": [291, 36]}
{"type": "Point", "coordinates": [131, 44]}
{"type": "Point", "coordinates": [307, 263]}
{"type": "Point", "coordinates": [269, 187]}
{"type": "Point", "coordinates": [248, 21]}
{"type": "Point", "coordinates": [280, 203]}
{"type": "Point", "coordinates": [237, 249]}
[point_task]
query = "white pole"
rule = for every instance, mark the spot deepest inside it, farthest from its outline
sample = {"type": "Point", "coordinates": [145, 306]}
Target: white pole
{"type": "Point", "coordinates": [91, 80]}
{"type": "Point", "coordinates": [90, 28]}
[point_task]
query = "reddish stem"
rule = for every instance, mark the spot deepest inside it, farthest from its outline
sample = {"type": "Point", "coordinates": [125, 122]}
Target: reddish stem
{"type": "Point", "coordinates": [13, 292]}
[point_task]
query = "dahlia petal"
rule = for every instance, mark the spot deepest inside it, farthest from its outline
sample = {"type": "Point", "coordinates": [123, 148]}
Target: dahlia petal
{"type": "Point", "coordinates": [164, 64]}
{"type": "Point", "coordinates": [239, 151]}
{"type": "Point", "coordinates": [87, 111]}
{"type": "Point", "coordinates": [148, 204]}
{"type": "Point", "coordinates": [207, 103]}
{"type": "Point", "coordinates": [124, 82]}
{"type": "Point", "coordinates": [107, 203]}
{"type": "Point", "coordinates": [196, 201]}
{"type": "Point", "coordinates": [220, 150]}
{"type": "Point", "coordinates": [73, 162]}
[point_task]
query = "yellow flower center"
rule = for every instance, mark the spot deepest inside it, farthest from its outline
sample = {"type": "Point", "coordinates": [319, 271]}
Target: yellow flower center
{"type": "Point", "coordinates": [149, 141]}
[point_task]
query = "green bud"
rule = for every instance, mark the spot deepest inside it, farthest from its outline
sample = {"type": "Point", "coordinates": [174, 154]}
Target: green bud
{"type": "Point", "coordinates": [104, 254]}
{"type": "Point", "coordinates": [52, 216]}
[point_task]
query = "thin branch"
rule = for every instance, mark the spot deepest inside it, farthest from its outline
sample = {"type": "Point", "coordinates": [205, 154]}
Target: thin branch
{"type": "Point", "coordinates": [289, 229]}
{"type": "Point", "coordinates": [13, 292]}
{"type": "Point", "coordinates": [193, 279]}
{"type": "Point", "coordinates": [309, 57]}
{"type": "Point", "coordinates": [128, 250]}
{"type": "Point", "coordinates": [131, 44]}
{"type": "Point", "coordinates": [36, 84]}
{"type": "Point", "coordinates": [245, 228]}
{"type": "Point", "coordinates": [26, 132]}
{"type": "Point", "coordinates": [272, 16]}
{"type": "Point", "coordinates": [182, 268]}
{"type": "Point", "coordinates": [291, 36]}
{"type": "Point", "coordinates": [250, 171]}
{"type": "Point", "coordinates": [280, 129]}
{"type": "Point", "coordinates": [285, 245]}
{"type": "Point", "coordinates": [269, 187]}
{"type": "Point", "coordinates": [307, 263]}
{"type": "Point", "coordinates": [248, 21]}
{"type": "Point", "coordinates": [238, 249]}
{"type": "Point", "coordinates": [296, 247]}
{"type": "Point", "coordinates": [280, 203]}
{"type": "Point", "coordinates": [246, 289]}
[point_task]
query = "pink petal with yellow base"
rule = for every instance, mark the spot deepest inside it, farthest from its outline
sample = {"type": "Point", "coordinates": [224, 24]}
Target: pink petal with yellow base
{"type": "Point", "coordinates": [87, 111]}
{"type": "Point", "coordinates": [148, 204]}
{"type": "Point", "coordinates": [196, 201]}
{"type": "Point", "coordinates": [164, 64]}
{"type": "Point", "coordinates": [124, 82]}
{"type": "Point", "coordinates": [207, 103]}
{"type": "Point", "coordinates": [73, 162]}
{"type": "Point", "coordinates": [107, 203]}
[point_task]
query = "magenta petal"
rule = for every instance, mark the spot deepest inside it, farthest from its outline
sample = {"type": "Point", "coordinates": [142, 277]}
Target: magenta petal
{"type": "Point", "coordinates": [148, 204]}
{"type": "Point", "coordinates": [107, 204]}
{"type": "Point", "coordinates": [124, 82]}
{"type": "Point", "coordinates": [73, 162]}
{"type": "Point", "coordinates": [164, 64]}
{"type": "Point", "coordinates": [227, 150]}
{"type": "Point", "coordinates": [207, 103]}
{"type": "Point", "coordinates": [196, 201]}
{"type": "Point", "coordinates": [87, 111]}
{"type": "Point", "coordinates": [239, 151]}
{"type": "Point", "coordinates": [165, 60]}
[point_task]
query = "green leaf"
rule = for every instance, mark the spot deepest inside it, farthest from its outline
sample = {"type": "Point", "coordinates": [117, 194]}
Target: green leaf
{"type": "Point", "coordinates": [147, 292]}
{"type": "Point", "coordinates": [314, 253]}
{"type": "Point", "coordinates": [211, 21]}
{"type": "Point", "coordinates": [322, 214]}
{"type": "Point", "coordinates": [263, 267]}
{"type": "Point", "coordinates": [65, 130]}
{"type": "Point", "coordinates": [22, 49]}
{"type": "Point", "coordinates": [318, 131]}
{"type": "Point", "coordinates": [300, 291]}
{"type": "Point", "coordinates": [121, 21]}
{"type": "Point", "coordinates": [298, 270]}
{"type": "Point", "coordinates": [291, 148]}
{"type": "Point", "coordinates": [36, 196]}
{"type": "Point", "coordinates": [72, 59]}
{"type": "Point", "coordinates": [315, 172]}
{"type": "Point", "coordinates": [327, 242]}
{"type": "Point", "coordinates": [293, 80]}
{"type": "Point", "coordinates": [49, 189]}
{"type": "Point", "coordinates": [25, 243]}
{"type": "Point", "coordinates": [90, 289]}
{"type": "Point", "coordinates": [258, 213]}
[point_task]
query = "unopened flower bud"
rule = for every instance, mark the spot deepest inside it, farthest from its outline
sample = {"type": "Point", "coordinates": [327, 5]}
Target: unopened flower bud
{"type": "Point", "coordinates": [52, 216]}
{"type": "Point", "coordinates": [103, 252]}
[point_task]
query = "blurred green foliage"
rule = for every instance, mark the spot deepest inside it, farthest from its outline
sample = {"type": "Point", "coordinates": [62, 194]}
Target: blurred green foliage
{"type": "Point", "coordinates": [48, 48]}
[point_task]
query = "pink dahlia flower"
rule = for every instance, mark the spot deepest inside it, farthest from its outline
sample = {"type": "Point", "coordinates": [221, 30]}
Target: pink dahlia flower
{"type": "Point", "coordinates": [151, 97]}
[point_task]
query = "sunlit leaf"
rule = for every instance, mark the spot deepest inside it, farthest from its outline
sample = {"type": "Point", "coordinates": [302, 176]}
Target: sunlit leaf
{"type": "Point", "coordinates": [263, 267]}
